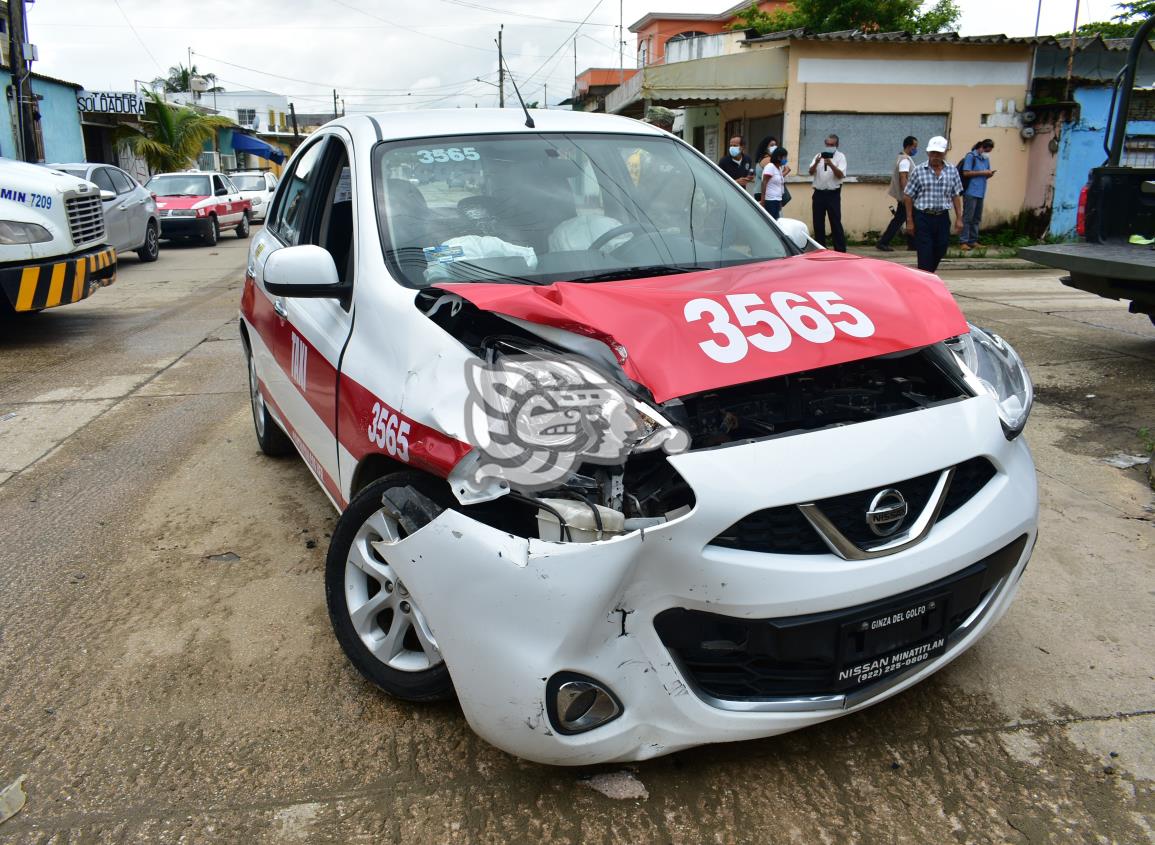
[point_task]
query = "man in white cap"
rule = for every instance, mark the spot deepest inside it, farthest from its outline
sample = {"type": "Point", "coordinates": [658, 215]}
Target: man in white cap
{"type": "Point", "coordinates": [934, 187]}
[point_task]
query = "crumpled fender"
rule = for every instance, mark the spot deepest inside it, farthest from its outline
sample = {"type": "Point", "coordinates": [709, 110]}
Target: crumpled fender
{"type": "Point", "coordinates": [500, 605]}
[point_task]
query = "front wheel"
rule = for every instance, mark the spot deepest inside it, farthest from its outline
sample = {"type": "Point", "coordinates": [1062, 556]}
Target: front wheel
{"type": "Point", "coordinates": [243, 226]}
{"type": "Point", "coordinates": [378, 623]}
{"type": "Point", "coordinates": [150, 250]}
{"type": "Point", "coordinates": [270, 437]}
{"type": "Point", "coordinates": [213, 235]}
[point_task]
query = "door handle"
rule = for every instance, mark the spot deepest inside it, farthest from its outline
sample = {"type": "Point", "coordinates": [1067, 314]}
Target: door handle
{"type": "Point", "coordinates": [279, 307]}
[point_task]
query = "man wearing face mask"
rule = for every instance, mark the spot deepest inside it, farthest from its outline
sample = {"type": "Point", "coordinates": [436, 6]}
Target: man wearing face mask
{"type": "Point", "coordinates": [828, 170]}
{"type": "Point", "coordinates": [737, 164]}
{"type": "Point", "coordinates": [902, 168]}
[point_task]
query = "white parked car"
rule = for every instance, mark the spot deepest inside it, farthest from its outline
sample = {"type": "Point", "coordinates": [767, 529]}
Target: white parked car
{"type": "Point", "coordinates": [622, 463]}
{"type": "Point", "coordinates": [130, 216]}
{"type": "Point", "coordinates": [258, 187]}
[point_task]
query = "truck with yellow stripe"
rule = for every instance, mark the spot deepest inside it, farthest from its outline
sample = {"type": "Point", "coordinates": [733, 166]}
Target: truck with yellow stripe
{"type": "Point", "coordinates": [52, 242]}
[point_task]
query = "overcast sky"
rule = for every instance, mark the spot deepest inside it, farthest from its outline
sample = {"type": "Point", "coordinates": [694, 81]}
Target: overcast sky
{"type": "Point", "coordinates": [388, 53]}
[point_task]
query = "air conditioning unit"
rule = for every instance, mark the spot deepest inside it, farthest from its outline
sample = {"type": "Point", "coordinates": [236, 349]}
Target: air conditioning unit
{"type": "Point", "coordinates": [209, 161]}
{"type": "Point", "coordinates": [228, 163]}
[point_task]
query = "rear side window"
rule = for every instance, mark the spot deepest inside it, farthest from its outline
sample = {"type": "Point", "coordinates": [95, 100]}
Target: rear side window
{"type": "Point", "coordinates": [121, 181]}
{"type": "Point", "coordinates": [296, 195]}
{"type": "Point", "coordinates": [102, 179]}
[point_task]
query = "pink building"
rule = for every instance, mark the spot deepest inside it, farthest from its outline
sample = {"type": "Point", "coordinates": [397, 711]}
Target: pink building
{"type": "Point", "coordinates": [657, 29]}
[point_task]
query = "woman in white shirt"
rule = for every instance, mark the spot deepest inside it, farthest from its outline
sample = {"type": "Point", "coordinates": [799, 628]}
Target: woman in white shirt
{"type": "Point", "coordinates": [774, 181]}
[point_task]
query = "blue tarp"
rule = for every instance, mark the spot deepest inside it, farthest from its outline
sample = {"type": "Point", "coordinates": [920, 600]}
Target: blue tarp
{"type": "Point", "coordinates": [248, 144]}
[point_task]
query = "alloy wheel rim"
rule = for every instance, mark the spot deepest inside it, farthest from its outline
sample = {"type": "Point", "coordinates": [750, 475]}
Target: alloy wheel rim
{"type": "Point", "coordinates": [381, 610]}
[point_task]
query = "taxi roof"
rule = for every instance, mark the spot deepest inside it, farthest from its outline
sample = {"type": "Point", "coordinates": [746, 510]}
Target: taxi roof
{"type": "Point", "coordinates": [398, 125]}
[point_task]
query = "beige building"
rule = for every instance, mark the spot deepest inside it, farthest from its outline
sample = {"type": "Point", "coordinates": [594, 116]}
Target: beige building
{"type": "Point", "coordinates": [871, 90]}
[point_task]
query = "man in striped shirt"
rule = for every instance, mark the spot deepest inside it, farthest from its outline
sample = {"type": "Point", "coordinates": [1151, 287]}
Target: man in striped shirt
{"type": "Point", "coordinates": [932, 189]}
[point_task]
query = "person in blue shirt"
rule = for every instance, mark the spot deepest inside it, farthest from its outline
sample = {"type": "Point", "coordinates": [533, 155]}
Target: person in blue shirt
{"type": "Point", "coordinates": [975, 171]}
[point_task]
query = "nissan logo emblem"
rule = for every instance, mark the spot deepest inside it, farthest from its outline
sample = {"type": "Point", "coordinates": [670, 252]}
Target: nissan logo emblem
{"type": "Point", "coordinates": [887, 512]}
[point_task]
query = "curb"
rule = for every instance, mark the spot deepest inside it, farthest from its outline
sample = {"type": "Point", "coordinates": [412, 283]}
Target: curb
{"type": "Point", "coordinates": [908, 259]}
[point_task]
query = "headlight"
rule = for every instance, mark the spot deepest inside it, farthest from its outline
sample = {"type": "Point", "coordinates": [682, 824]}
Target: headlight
{"type": "Point", "coordinates": [992, 366]}
{"type": "Point", "coordinates": [535, 416]}
{"type": "Point", "coordinates": [12, 232]}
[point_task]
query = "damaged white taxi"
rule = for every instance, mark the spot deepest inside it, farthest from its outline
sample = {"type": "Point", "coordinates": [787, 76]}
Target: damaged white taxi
{"type": "Point", "coordinates": [623, 464]}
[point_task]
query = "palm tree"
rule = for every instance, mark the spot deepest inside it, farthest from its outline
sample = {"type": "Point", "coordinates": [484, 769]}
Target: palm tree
{"type": "Point", "coordinates": [175, 137]}
{"type": "Point", "coordinates": [179, 80]}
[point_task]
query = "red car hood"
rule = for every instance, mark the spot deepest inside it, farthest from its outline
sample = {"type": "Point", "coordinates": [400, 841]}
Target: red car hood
{"type": "Point", "coordinates": [180, 202]}
{"type": "Point", "coordinates": [683, 334]}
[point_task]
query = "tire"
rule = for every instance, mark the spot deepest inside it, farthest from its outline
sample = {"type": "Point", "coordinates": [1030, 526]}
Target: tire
{"type": "Point", "coordinates": [391, 645]}
{"type": "Point", "coordinates": [243, 227]}
{"type": "Point", "coordinates": [271, 438]}
{"type": "Point", "coordinates": [213, 235]}
{"type": "Point", "coordinates": [150, 251]}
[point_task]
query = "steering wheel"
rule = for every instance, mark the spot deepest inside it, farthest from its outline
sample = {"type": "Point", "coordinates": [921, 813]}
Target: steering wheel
{"type": "Point", "coordinates": [604, 238]}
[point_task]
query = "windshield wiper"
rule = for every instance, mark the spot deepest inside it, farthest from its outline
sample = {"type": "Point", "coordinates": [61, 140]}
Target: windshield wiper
{"type": "Point", "coordinates": [637, 273]}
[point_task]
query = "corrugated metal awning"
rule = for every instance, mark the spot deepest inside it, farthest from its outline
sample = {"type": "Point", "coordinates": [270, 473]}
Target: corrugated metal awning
{"type": "Point", "coordinates": [749, 75]}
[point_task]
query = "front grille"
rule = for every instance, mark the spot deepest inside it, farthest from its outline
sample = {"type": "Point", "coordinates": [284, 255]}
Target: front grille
{"type": "Point", "coordinates": [85, 219]}
{"type": "Point", "coordinates": [784, 530]}
{"type": "Point", "coordinates": [752, 659]}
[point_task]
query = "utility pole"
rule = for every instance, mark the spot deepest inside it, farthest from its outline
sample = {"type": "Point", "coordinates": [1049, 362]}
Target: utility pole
{"type": "Point", "coordinates": [293, 117]}
{"type": "Point", "coordinates": [335, 115]}
{"type": "Point", "coordinates": [621, 46]}
{"type": "Point", "coordinates": [545, 96]}
{"type": "Point", "coordinates": [21, 76]}
{"type": "Point", "coordinates": [500, 70]}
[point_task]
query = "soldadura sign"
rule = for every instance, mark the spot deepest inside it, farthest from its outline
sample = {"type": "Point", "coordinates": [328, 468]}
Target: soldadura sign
{"type": "Point", "coordinates": [110, 102]}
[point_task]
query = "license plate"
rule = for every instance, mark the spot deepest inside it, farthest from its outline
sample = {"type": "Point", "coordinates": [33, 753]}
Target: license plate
{"type": "Point", "coordinates": [894, 640]}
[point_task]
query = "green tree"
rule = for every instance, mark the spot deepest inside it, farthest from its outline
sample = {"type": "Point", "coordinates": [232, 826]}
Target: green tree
{"type": "Point", "coordinates": [1123, 25]}
{"type": "Point", "coordinates": [866, 15]}
{"type": "Point", "coordinates": [179, 79]}
{"type": "Point", "coordinates": [175, 136]}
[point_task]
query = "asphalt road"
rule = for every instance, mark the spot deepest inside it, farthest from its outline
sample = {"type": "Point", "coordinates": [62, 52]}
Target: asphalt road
{"type": "Point", "coordinates": [167, 673]}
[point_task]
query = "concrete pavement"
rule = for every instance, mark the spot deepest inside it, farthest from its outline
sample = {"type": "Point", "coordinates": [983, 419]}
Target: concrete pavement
{"type": "Point", "coordinates": [168, 673]}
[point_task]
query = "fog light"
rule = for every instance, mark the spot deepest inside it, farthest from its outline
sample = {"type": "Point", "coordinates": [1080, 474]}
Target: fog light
{"type": "Point", "coordinates": [577, 704]}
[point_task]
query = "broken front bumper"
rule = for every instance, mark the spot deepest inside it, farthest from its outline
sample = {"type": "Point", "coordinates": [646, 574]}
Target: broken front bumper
{"type": "Point", "coordinates": [509, 613]}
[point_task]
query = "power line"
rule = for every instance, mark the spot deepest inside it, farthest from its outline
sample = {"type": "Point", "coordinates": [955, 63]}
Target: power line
{"type": "Point", "coordinates": [469, 5]}
{"type": "Point", "coordinates": [138, 38]}
{"type": "Point", "coordinates": [319, 84]}
{"type": "Point", "coordinates": [408, 28]}
{"type": "Point", "coordinates": [566, 42]}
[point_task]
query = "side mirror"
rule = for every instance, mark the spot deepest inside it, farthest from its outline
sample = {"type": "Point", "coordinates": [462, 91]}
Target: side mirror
{"type": "Point", "coordinates": [106, 196]}
{"type": "Point", "coordinates": [303, 271]}
{"type": "Point", "coordinates": [222, 192]}
{"type": "Point", "coordinates": [796, 231]}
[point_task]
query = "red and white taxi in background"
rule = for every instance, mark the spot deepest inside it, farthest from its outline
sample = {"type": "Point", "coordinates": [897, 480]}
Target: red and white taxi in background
{"type": "Point", "coordinates": [199, 204]}
{"type": "Point", "coordinates": [622, 463]}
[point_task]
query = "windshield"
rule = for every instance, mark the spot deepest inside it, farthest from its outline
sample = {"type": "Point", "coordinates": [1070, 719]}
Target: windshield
{"type": "Point", "coordinates": [180, 185]}
{"type": "Point", "coordinates": [248, 183]}
{"type": "Point", "coordinates": [544, 208]}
